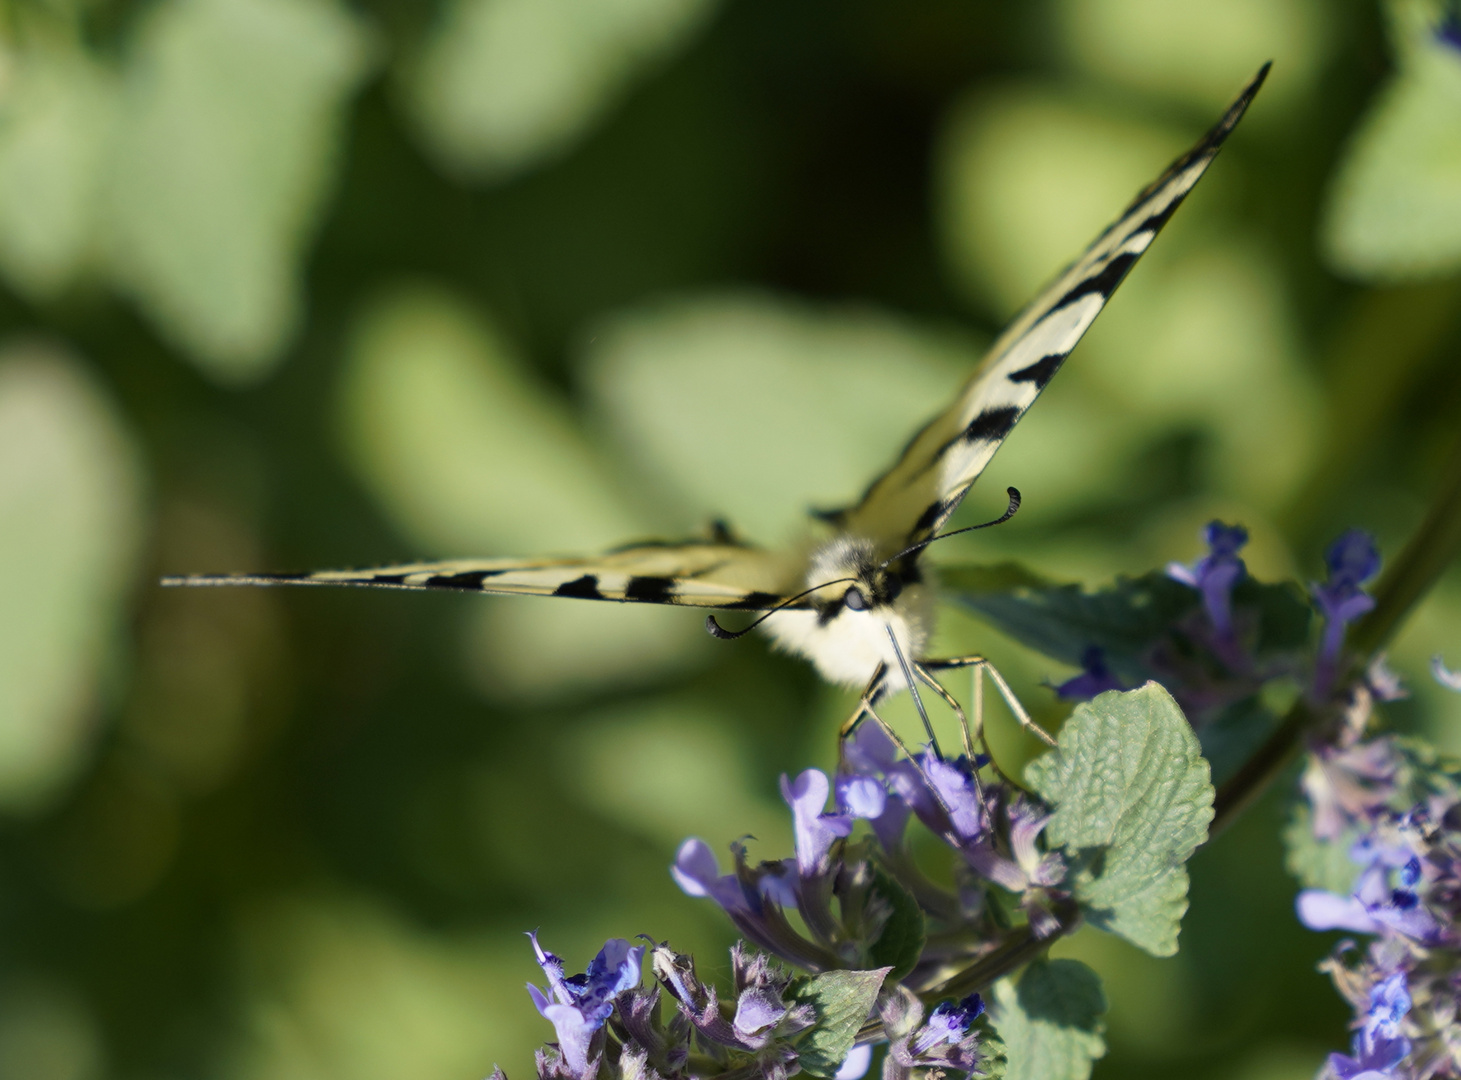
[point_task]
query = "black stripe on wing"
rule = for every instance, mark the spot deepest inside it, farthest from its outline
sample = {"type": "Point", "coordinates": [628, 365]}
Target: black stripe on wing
{"type": "Point", "coordinates": [696, 587]}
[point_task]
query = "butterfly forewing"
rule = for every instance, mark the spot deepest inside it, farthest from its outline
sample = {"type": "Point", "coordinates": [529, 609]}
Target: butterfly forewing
{"type": "Point", "coordinates": [912, 500]}
{"type": "Point", "coordinates": [692, 574]}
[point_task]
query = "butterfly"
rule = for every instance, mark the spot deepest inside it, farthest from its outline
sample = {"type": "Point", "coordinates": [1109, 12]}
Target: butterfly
{"type": "Point", "coordinates": [856, 601]}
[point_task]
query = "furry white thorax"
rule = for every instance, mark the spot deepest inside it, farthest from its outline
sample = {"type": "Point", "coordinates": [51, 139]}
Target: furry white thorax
{"type": "Point", "coordinates": [849, 647]}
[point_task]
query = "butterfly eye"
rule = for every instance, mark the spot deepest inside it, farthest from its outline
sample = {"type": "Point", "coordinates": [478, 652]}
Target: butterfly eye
{"type": "Point", "coordinates": [854, 599]}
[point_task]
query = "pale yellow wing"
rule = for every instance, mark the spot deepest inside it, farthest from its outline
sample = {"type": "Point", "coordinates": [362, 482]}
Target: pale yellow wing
{"type": "Point", "coordinates": [911, 501]}
{"type": "Point", "coordinates": [701, 574]}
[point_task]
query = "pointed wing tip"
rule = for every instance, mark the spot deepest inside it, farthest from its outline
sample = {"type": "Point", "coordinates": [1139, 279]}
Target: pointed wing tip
{"type": "Point", "coordinates": [1223, 127]}
{"type": "Point", "coordinates": [1250, 91]}
{"type": "Point", "coordinates": [173, 581]}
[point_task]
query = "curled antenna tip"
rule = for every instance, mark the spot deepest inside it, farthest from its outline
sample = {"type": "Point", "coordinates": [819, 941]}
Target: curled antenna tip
{"type": "Point", "coordinates": [717, 631]}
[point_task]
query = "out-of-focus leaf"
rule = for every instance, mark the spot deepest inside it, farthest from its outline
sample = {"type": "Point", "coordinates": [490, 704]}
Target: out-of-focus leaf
{"type": "Point", "coordinates": [760, 409]}
{"type": "Point", "coordinates": [842, 1000]}
{"type": "Point", "coordinates": [337, 987]}
{"type": "Point", "coordinates": [501, 84]}
{"type": "Point", "coordinates": [1200, 53]}
{"type": "Point", "coordinates": [466, 452]}
{"type": "Point", "coordinates": [70, 516]}
{"type": "Point", "coordinates": [695, 764]}
{"type": "Point", "coordinates": [57, 122]}
{"type": "Point", "coordinates": [1131, 792]}
{"type": "Point", "coordinates": [1026, 179]}
{"type": "Point", "coordinates": [47, 1033]}
{"type": "Point", "coordinates": [471, 456]}
{"type": "Point", "coordinates": [230, 134]}
{"type": "Point", "coordinates": [1394, 211]}
{"type": "Point", "coordinates": [1203, 337]}
{"type": "Point", "coordinates": [1051, 1021]}
{"type": "Point", "coordinates": [530, 650]}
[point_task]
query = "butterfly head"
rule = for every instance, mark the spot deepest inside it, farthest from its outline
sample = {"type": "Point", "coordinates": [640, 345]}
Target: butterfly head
{"type": "Point", "coordinates": [873, 585]}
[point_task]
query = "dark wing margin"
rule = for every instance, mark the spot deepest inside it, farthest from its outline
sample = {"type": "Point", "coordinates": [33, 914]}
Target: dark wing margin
{"type": "Point", "coordinates": [911, 501]}
{"type": "Point", "coordinates": [729, 577]}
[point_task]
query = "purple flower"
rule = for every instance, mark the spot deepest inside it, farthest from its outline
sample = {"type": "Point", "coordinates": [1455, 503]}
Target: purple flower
{"type": "Point", "coordinates": [1449, 32]}
{"type": "Point", "coordinates": [762, 1019]}
{"type": "Point", "coordinates": [1347, 785]}
{"type": "Point", "coordinates": [1096, 678]}
{"type": "Point", "coordinates": [1352, 561]}
{"type": "Point", "coordinates": [1451, 680]}
{"type": "Point", "coordinates": [1215, 574]}
{"type": "Point", "coordinates": [578, 1005]}
{"type": "Point", "coordinates": [947, 1041]}
{"type": "Point", "coordinates": [1373, 907]}
{"type": "Point", "coordinates": [815, 830]}
{"type": "Point", "coordinates": [946, 797]}
{"type": "Point", "coordinates": [1385, 684]}
{"type": "Point", "coordinates": [697, 871]}
{"type": "Point", "coordinates": [947, 1024]}
{"type": "Point", "coordinates": [861, 796]}
{"type": "Point", "coordinates": [1379, 1045]}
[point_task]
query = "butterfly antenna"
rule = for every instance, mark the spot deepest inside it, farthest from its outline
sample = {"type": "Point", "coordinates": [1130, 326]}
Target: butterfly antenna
{"type": "Point", "coordinates": [913, 689]}
{"type": "Point", "coordinates": [716, 630]}
{"type": "Point", "coordinates": [1014, 508]}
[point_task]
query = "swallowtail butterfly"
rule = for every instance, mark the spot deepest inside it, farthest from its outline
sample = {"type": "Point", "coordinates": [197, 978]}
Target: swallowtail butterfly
{"type": "Point", "coordinates": [856, 602]}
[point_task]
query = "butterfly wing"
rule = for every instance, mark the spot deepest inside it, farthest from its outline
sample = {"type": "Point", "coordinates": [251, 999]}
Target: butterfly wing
{"type": "Point", "coordinates": [911, 501]}
{"type": "Point", "coordinates": [692, 574]}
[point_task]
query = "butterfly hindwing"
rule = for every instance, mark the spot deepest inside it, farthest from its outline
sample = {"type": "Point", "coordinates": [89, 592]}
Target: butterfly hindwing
{"type": "Point", "coordinates": [691, 574]}
{"type": "Point", "coordinates": [912, 500]}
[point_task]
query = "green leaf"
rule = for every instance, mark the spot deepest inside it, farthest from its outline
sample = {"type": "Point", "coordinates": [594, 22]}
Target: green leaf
{"type": "Point", "coordinates": [1051, 1022]}
{"type": "Point", "coordinates": [761, 359]}
{"type": "Point", "coordinates": [229, 135]}
{"type": "Point", "coordinates": [1132, 797]}
{"type": "Point", "coordinates": [501, 84]}
{"type": "Point", "coordinates": [842, 1000]}
{"type": "Point", "coordinates": [466, 451]}
{"type": "Point", "coordinates": [901, 943]}
{"type": "Point", "coordinates": [1127, 620]}
{"type": "Point", "coordinates": [70, 519]}
{"type": "Point", "coordinates": [55, 128]}
{"type": "Point", "coordinates": [1063, 621]}
{"type": "Point", "coordinates": [1394, 211]}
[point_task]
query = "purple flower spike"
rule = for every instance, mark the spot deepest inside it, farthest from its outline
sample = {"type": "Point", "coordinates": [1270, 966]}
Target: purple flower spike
{"type": "Point", "coordinates": [1215, 574]}
{"type": "Point", "coordinates": [1379, 1045]}
{"type": "Point", "coordinates": [815, 830]}
{"type": "Point", "coordinates": [577, 1006]}
{"type": "Point", "coordinates": [1352, 560]}
{"type": "Point", "coordinates": [1095, 679]}
{"type": "Point", "coordinates": [1451, 680]}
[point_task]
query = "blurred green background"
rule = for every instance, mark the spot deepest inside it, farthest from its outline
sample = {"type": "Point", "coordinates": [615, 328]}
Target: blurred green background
{"type": "Point", "coordinates": [294, 284]}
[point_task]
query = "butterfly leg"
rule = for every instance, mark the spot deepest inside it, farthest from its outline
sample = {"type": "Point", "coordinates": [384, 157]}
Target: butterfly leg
{"type": "Point", "coordinates": [876, 688]}
{"type": "Point", "coordinates": [981, 666]}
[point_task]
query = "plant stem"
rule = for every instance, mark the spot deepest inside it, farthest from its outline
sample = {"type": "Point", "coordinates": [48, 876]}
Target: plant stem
{"type": "Point", "coordinates": [1013, 953]}
{"type": "Point", "coordinates": [1411, 575]}
{"type": "Point", "coordinates": [1244, 787]}
{"type": "Point", "coordinates": [1430, 551]}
